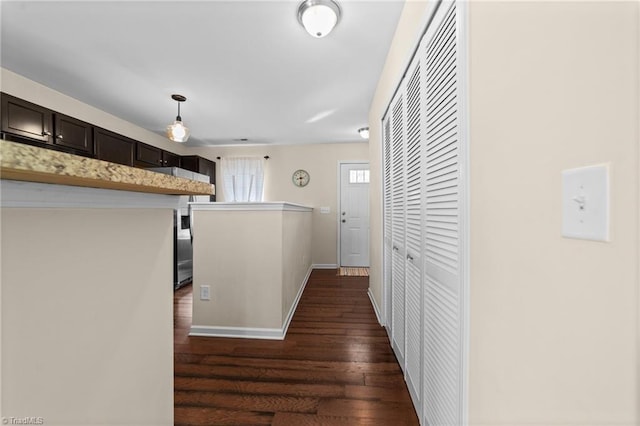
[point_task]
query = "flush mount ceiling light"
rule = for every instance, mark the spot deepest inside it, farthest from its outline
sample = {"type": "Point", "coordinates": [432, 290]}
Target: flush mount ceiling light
{"type": "Point", "coordinates": [364, 132]}
{"type": "Point", "coordinates": [177, 131]}
{"type": "Point", "coordinates": [318, 17]}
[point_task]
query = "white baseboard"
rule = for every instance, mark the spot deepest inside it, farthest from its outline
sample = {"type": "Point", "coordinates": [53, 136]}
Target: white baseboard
{"type": "Point", "coordinates": [324, 266]}
{"type": "Point", "coordinates": [375, 307]}
{"type": "Point", "coordinates": [252, 332]}
{"type": "Point", "coordinates": [294, 305]}
{"type": "Point", "coordinates": [241, 332]}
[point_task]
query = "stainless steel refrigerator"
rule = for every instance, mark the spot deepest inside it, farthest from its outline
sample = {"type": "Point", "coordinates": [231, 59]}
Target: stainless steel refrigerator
{"type": "Point", "coordinates": [182, 247]}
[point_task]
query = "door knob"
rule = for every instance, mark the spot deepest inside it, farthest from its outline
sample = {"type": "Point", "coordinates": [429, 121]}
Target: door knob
{"type": "Point", "coordinates": [343, 213]}
{"type": "Point", "coordinates": [343, 220]}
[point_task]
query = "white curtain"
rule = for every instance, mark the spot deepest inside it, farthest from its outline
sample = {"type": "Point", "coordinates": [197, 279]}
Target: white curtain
{"type": "Point", "coordinates": [243, 178]}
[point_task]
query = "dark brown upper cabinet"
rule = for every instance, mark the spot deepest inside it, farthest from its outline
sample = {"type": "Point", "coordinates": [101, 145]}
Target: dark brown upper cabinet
{"type": "Point", "coordinates": [73, 133]}
{"type": "Point", "coordinates": [170, 159]}
{"type": "Point", "coordinates": [151, 156]}
{"type": "Point", "coordinates": [197, 164]}
{"type": "Point", "coordinates": [26, 120]}
{"type": "Point", "coordinates": [33, 124]}
{"type": "Point", "coordinates": [148, 156]}
{"type": "Point", "coordinates": [113, 147]}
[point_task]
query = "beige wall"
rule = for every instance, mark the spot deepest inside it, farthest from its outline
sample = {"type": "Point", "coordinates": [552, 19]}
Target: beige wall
{"type": "Point", "coordinates": [321, 161]}
{"type": "Point", "coordinates": [553, 320]}
{"type": "Point", "coordinates": [239, 255]}
{"type": "Point", "coordinates": [254, 262]}
{"type": "Point", "coordinates": [296, 256]}
{"type": "Point", "coordinates": [87, 332]}
{"type": "Point", "coordinates": [21, 87]}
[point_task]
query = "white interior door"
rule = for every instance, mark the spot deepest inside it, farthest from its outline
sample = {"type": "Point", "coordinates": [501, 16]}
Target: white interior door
{"type": "Point", "coordinates": [445, 221]}
{"type": "Point", "coordinates": [388, 245]}
{"type": "Point", "coordinates": [354, 214]}
{"type": "Point", "coordinates": [398, 228]}
{"type": "Point", "coordinates": [413, 229]}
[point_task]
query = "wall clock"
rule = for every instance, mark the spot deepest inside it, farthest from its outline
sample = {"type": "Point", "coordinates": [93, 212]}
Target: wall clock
{"type": "Point", "coordinates": [300, 178]}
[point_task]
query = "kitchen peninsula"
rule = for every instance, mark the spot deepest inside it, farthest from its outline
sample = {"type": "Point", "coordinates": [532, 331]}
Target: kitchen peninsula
{"type": "Point", "coordinates": [86, 288]}
{"type": "Point", "coordinates": [253, 260]}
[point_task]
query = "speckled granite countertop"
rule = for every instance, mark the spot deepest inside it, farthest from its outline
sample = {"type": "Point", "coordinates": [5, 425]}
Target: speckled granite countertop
{"type": "Point", "coordinates": [34, 164]}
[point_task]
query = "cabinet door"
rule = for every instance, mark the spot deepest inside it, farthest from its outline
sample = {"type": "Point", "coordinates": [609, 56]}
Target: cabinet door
{"type": "Point", "coordinates": [73, 133]}
{"type": "Point", "coordinates": [169, 159]}
{"type": "Point", "coordinates": [113, 147]}
{"type": "Point", "coordinates": [201, 165]}
{"type": "Point", "coordinates": [148, 156]}
{"type": "Point", "coordinates": [190, 162]}
{"type": "Point", "coordinates": [207, 167]}
{"type": "Point", "coordinates": [26, 120]}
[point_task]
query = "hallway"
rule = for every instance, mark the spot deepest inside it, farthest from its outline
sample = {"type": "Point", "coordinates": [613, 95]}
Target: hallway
{"type": "Point", "coordinates": [335, 366]}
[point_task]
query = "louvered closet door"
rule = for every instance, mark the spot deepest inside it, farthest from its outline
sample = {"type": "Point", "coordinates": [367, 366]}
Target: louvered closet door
{"type": "Point", "coordinates": [443, 334]}
{"type": "Point", "coordinates": [388, 252]}
{"type": "Point", "coordinates": [413, 218]}
{"type": "Point", "coordinates": [398, 227]}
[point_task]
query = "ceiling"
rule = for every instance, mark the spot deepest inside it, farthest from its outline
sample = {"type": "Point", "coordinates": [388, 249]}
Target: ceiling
{"type": "Point", "coordinates": [247, 68]}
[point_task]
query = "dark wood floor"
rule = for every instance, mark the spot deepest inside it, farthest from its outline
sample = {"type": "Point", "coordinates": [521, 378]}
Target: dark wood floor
{"type": "Point", "coordinates": [335, 366]}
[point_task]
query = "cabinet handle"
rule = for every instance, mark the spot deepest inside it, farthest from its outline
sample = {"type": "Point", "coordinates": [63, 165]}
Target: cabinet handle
{"type": "Point", "coordinates": [410, 257]}
{"type": "Point", "coordinates": [59, 137]}
{"type": "Point", "coordinates": [46, 133]}
{"type": "Point", "coordinates": [395, 248]}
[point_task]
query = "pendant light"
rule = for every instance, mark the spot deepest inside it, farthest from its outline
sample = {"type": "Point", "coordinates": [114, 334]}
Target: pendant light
{"type": "Point", "coordinates": [364, 132]}
{"type": "Point", "coordinates": [318, 17]}
{"type": "Point", "coordinates": [177, 131]}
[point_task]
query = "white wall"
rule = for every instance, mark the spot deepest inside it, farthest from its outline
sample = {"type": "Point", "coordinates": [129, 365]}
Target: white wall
{"type": "Point", "coordinates": [321, 161]}
{"type": "Point", "coordinates": [87, 331]}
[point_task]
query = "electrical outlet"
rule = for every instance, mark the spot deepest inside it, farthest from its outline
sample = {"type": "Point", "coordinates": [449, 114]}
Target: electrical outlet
{"type": "Point", "coordinates": [205, 292]}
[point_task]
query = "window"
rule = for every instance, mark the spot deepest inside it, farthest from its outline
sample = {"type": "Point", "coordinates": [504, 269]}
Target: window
{"type": "Point", "coordinates": [243, 179]}
{"type": "Point", "coordinates": [358, 176]}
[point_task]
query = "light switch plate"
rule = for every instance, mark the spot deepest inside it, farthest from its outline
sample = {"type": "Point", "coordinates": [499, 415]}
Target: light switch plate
{"type": "Point", "coordinates": [325, 210]}
{"type": "Point", "coordinates": [585, 203]}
